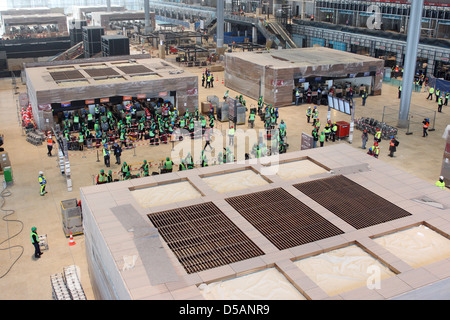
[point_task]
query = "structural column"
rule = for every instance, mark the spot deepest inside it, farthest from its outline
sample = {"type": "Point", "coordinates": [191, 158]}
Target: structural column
{"type": "Point", "coordinates": [254, 35]}
{"type": "Point", "coordinates": [412, 42]}
{"type": "Point", "coordinates": [147, 26]}
{"type": "Point", "coordinates": [220, 23]}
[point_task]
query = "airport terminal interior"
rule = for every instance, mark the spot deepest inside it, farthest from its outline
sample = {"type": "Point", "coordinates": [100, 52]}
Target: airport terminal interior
{"type": "Point", "coordinates": [224, 150]}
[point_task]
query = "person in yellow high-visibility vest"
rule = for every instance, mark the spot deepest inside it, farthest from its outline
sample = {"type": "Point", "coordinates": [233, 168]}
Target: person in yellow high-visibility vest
{"type": "Point", "coordinates": [42, 182]}
{"type": "Point", "coordinates": [231, 136]}
{"type": "Point", "coordinates": [35, 242]}
{"type": "Point", "coordinates": [440, 183]}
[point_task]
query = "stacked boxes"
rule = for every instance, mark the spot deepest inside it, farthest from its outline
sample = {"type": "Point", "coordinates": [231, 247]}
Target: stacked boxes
{"type": "Point", "coordinates": [92, 40]}
{"type": "Point", "coordinates": [66, 285]}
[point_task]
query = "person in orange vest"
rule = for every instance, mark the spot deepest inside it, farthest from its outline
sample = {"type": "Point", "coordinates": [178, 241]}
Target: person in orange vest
{"type": "Point", "coordinates": [393, 146]}
{"type": "Point", "coordinates": [50, 143]}
{"type": "Point", "coordinates": [426, 124]}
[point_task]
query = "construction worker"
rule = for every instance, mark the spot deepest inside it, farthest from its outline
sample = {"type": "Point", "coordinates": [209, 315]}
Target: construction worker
{"type": "Point", "coordinates": [35, 242]}
{"type": "Point", "coordinates": [76, 122]}
{"type": "Point", "coordinates": [426, 124]}
{"type": "Point", "coordinates": [430, 93]}
{"type": "Point", "coordinates": [81, 141]}
{"type": "Point", "coordinates": [144, 168]}
{"type": "Point", "coordinates": [117, 152]}
{"type": "Point", "coordinates": [440, 103]}
{"type": "Point", "coordinates": [220, 158]}
{"type": "Point", "coordinates": [364, 96]}
{"type": "Point", "coordinates": [101, 177]}
{"type": "Point", "coordinates": [315, 136]}
{"type": "Point", "coordinates": [400, 91]}
{"type": "Point", "coordinates": [374, 150]}
{"type": "Point", "coordinates": [50, 143]}
{"type": "Point", "coordinates": [447, 96]}
{"type": "Point", "coordinates": [327, 131]}
{"type": "Point", "coordinates": [297, 96]}
{"type": "Point", "coordinates": [203, 159]}
{"type": "Point", "coordinates": [109, 177]}
{"type": "Point", "coordinates": [308, 114]}
{"type": "Point", "coordinates": [440, 183]}
{"type": "Point", "coordinates": [315, 116]}
{"type": "Point", "coordinates": [364, 138]}
{"type": "Point", "coordinates": [203, 80]}
{"type": "Point", "coordinates": [106, 155]}
{"type": "Point", "coordinates": [317, 124]}
{"type": "Point", "coordinates": [251, 119]}
{"type": "Point", "coordinates": [322, 138]}
{"type": "Point", "coordinates": [438, 94]}
{"type": "Point", "coordinates": [42, 182]}
{"type": "Point", "coordinates": [125, 169]}
{"type": "Point", "coordinates": [182, 166]}
{"type": "Point", "coordinates": [334, 128]}
{"type": "Point", "coordinates": [377, 136]}
{"type": "Point", "coordinates": [231, 136]}
{"type": "Point", "coordinates": [393, 146]}
{"type": "Point", "coordinates": [189, 161]}
{"type": "Point", "coordinates": [168, 164]}
{"type": "Point", "coordinates": [212, 81]}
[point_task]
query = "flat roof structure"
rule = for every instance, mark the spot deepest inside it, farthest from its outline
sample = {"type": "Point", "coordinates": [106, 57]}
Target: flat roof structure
{"type": "Point", "coordinates": [58, 19]}
{"type": "Point", "coordinates": [104, 18]}
{"type": "Point", "coordinates": [275, 73]}
{"type": "Point", "coordinates": [97, 78]}
{"type": "Point", "coordinates": [82, 12]}
{"type": "Point", "coordinates": [173, 250]}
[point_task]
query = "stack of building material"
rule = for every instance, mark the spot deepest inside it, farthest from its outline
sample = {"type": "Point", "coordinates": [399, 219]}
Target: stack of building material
{"type": "Point", "coordinates": [59, 288]}
{"type": "Point", "coordinates": [73, 283]}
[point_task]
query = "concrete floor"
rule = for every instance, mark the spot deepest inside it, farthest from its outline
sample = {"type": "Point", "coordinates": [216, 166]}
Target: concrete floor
{"type": "Point", "coordinates": [24, 277]}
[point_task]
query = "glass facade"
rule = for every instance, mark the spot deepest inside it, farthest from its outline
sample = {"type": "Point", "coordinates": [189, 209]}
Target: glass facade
{"type": "Point", "coordinates": [67, 4]}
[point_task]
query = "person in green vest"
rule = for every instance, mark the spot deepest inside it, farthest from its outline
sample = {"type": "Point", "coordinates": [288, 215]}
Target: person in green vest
{"type": "Point", "coordinates": [76, 122]}
{"type": "Point", "coordinates": [144, 168]}
{"type": "Point", "coordinates": [220, 158]}
{"type": "Point", "coordinates": [101, 177]}
{"type": "Point", "coordinates": [189, 161]}
{"type": "Point", "coordinates": [231, 136]}
{"type": "Point", "coordinates": [203, 159]}
{"type": "Point", "coordinates": [168, 165]}
{"type": "Point", "coordinates": [438, 94]}
{"type": "Point", "coordinates": [191, 127]}
{"type": "Point", "coordinates": [334, 128]}
{"type": "Point", "coordinates": [258, 152]}
{"type": "Point", "coordinates": [42, 182]}
{"type": "Point", "coordinates": [308, 114]}
{"type": "Point", "coordinates": [251, 119]}
{"type": "Point", "coordinates": [90, 120]}
{"type": "Point", "coordinates": [35, 242]}
{"type": "Point", "coordinates": [440, 183]}
{"type": "Point", "coordinates": [106, 155]}
{"type": "Point", "coordinates": [211, 121]}
{"type": "Point", "coordinates": [203, 124]}
{"type": "Point", "coordinates": [81, 141]}
{"type": "Point", "coordinates": [322, 138]}
{"type": "Point", "coordinates": [327, 131]}
{"type": "Point", "coordinates": [109, 177]}
{"type": "Point", "coordinates": [125, 169]}
{"type": "Point", "coordinates": [182, 123]}
{"type": "Point", "coordinates": [440, 103]}
{"type": "Point", "coordinates": [447, 96]}
{"type": "Point", "coordinates": [182, 166]}
{"type": "Point", "coordinates": [315, 136]}
{"type": "Point", "coordinates": [430, 93]}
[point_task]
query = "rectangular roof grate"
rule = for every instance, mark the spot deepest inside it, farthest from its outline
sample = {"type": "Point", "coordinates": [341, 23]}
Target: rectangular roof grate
{"type": "Point", "coordinates": [203, 237]}
{"type": "Point", "coordinates": [101, 72]}
{"type": "Point", "coordinates": [134, 69]}
{"type": "Point", "coordinates": [66, 75]}
{"type": "Point", "coordinates": [351, 202]}
{"type": "Point", "coordinates": [283, 219]}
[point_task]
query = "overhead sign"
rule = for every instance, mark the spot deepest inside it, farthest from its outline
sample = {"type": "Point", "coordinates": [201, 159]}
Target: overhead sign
{"type": "Point", "coordinates": [126, 98]}
{"type": "Point", "coordinates": [163, 94]}
{"type": "Point", "coordinates": [65, 104]}
{"type": "Point", "coordinates": [141, 96]}
{"type": "Point", "coordinates": [90, 101]}
{"type": "Point", "coordinates": [104, 100]}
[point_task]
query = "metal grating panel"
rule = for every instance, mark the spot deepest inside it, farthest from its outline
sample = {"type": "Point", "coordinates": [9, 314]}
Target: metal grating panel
{"type": "Point", "coordinates": [101, 72]}
{"type": "Point", "coordinates": [134, 69]}
{"type": "Point", "coordinates": [66, 75]}
{"type": "Point", "coordinates": [283, 219]}
{"type": "Point", "coordinates": [202, 237]}
{"type": "Point", "coordinates": [351, 202]}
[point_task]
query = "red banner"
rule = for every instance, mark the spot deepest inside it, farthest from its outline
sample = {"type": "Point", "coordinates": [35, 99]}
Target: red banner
{"type": "Point", "coordinates": [91, 101]}
{"type": "Point", "coordinates": [126, 98]}
{"type": "Point", "coordinates": [141, 96]}
{"type": "Point", "coordinates": [103, 100]}
{"type": "Point", "coordinates": [163, 94]}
